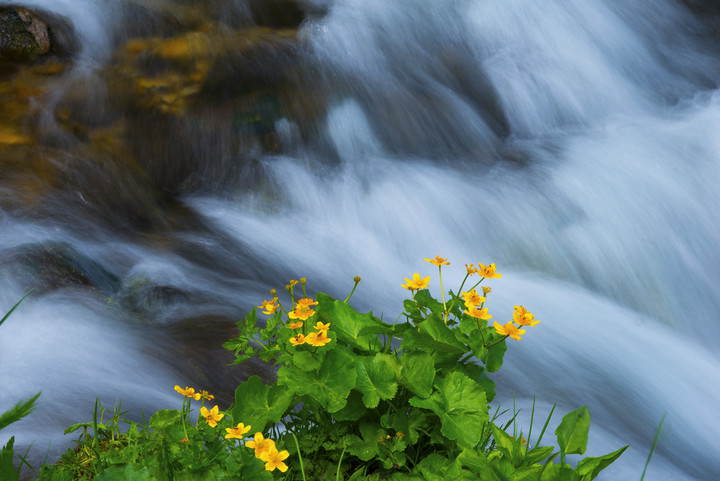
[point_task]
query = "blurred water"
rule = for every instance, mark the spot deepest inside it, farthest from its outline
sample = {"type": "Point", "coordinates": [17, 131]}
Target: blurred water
{"type": "Point", "coordinates": [572, 143]}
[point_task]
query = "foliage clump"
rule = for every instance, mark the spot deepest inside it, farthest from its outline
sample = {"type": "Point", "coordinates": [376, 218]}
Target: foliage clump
{"type": "Point", "coordinates": [355, 398]}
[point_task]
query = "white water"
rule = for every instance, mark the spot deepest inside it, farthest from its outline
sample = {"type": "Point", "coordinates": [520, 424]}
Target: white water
{"type": "Point", "coordinates": [607, 228]}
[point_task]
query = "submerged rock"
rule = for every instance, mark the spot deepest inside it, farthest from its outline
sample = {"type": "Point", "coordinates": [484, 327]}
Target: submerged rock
{"type": "Point", "coordinates": [23, 35]}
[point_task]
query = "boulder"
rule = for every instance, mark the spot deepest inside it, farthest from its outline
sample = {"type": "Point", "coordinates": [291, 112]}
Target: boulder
{"type": "Point", "coordinates": [23, 35]}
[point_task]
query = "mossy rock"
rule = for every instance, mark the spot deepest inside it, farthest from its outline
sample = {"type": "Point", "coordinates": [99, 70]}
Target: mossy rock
{"type": "Point", "coordinates": [23, 35]}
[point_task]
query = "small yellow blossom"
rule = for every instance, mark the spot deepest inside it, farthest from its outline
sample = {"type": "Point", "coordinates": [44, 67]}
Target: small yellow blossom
{"type": "Point", "coordinates": [260, 444]}
{"type": "Point", "coordinates": [295, 325]}
{"type": "Point", "coordinates": [471, 269]}
{"type": "Point", "coordinates": [297, 340]}
{"type": "Point", "coordinates": [317, 339]}
{"type": "Point", "coordinates": [212, 416]}
{"type": "Point", "coordinates": [302, 312]}
{"type": "Point", "coordinates": [488, 271]}
{"type": "Point", "coordinates": [509, 329]}
{"type": "Point", "coordinates": [438, 261]}
{"type": "Point", "coordinates": [416, 282]}
{"type": "Point", "coordinates": [237, 432]}
{"type": "Point", "coordinates": [185, 440]}
{"type": "Point", "coordinates": [292, 283]}
{"type": "Point", "coordinates": [306, 301]}
{"type": "Point", "coordinates": [486, 290]}
{"type": "Point", "coordinates": [472, 298]}
{"type": "Point", "coordinates": [399, 435]}
{"type": "Point", "coordinates": [274, 459]}
{"type": "Point", "coordinates": [478, 313]}
{"type": "Point", "coordinates": [188, 392]}
{"type": "Point", "coordinates": [523, 317]}
{"type": "Point", "coordinates": [206, 396]}
{"type": "Point", "coordinates": [269, 307]}
{"type": "Point", "coordinates": [319, 326]}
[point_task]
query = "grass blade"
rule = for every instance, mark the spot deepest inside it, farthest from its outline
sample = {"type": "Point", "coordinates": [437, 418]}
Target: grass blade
{"type": "Point", "coordinates": [652, 449]}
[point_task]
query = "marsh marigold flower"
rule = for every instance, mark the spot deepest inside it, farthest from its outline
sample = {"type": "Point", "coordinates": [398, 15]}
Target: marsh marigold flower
{"type": "Point", "coordinates": [237, 432]}
{"type": "Point", "coordinates": [471, 269]}
{"type": "Point", "coordinates": [486, 290]}
{"type": "Point", "coordinates": [523, 317]}
{"type": "Point", "coordinates": [302, 312]}
{"type": "Point", "coordinates": [297, 340]}
{"type": "Point", "coordinates": [306, 301]}
{"type": "Point", "coordinates": [206, 396]}
{"type": "Point", "coordinates": [488, 271]}
{"type": "Point", "coordinates": [509, 329]}
{"type": "Point", "coordinates": [317, 339]}
{"type": "Point", "coordinates": [416, 282]}
{"type": "Point", "coordinates": [478, 313]}
{"type": "Point", "coordinates": [260, 444]}
{"type": "Point", "coordinates": [472, 298]}
{"type": "Point", "coordinates": [438, 261]}
{"type": "Point", "coordinates": [188, 392]}
{"type": "Point", "coordinates": [269, 307]}
{"type": "Point", "coordinates": [274, 459]}
{"type": "Point", "coordinates": [295, 325]}
{"type": "Point", "coordinates": [319, 326]}
{"type": "Point", "coordinates": [212, 416]}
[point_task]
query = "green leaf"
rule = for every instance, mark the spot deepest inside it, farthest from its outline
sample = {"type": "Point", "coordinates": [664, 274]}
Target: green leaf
{"type": "Point", "coordinates": [347, 323]}
{"type": "Point", "coordinates": [306, 360]}
{"type": "Point", "coordinates": [7, 470]}
{"type": "Point", "coordinates": [474, 460]}
{"type": "Point", "coordinates": [18, 411]}
{"type": "Point", "coordinates": [424, 299]}
{"type": "Point", "coordinates": [504, 442]}
{"type": "Point", "coordinates": [589, 468]}
{"type": "Point", "coordinates": [14, 307]}
{"type": "Point", "coordinates": [164, 418]}
{"type": "Point", "coordinates": [439, 331]}
{"type": "Point", "coordinates": [537, 454]}
{"type": "Point", "coordinates": [126, 472]}
{"type": "Point", "coordinates": [462, 407]}
{"type": "Point", "coordinates": [375, 380]}
{"type": "Point", "coordinates": [572, 433]}
{"type": "Point", "coordinates": [418, 372]}
{"type": "Point", "coordinates": [353, 410]}
{"type": "Point", "coordinates": [329, 385]}
{"type": "Point", "coordinates": [526, 473]}
{"type": "Point", "coordinates": [258, 405]}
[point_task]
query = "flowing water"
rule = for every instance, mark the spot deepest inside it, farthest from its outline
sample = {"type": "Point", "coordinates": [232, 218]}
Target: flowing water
{"type": "Point", "coordinates": [574, 143]}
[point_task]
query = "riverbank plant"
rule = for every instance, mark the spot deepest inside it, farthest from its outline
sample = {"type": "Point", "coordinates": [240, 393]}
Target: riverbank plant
{"type": "Point", "coordinates": [355, 398]}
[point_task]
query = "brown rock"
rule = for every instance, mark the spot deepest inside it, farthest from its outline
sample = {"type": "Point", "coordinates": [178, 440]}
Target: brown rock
{"type": "Point", "coordinates": [23, 35]}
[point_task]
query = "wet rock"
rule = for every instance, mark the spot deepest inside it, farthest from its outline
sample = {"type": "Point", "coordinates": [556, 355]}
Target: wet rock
{"type": "Point", "coordinates": [23, 34]}
{"type": "Point", "coordinates": [56, 265]}
{"type": "Point", "coordinates": [277, 13]}
{"type": "Point", "coordinates": [198, 353]}
{"type": "Point", "coordinates": [253, 59]}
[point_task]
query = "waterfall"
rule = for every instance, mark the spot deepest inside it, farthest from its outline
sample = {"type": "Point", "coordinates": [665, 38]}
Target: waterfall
{"type": "Point", "coordinates": [573, 143]}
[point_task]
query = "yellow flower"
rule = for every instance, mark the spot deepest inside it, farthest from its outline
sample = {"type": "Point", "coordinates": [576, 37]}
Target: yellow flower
{"type": "Point", "coordinates": [188, 392]}
{"type": "Point", "coordinates": [416, 282]}
{"type": "Point", "coordinates": [472, 298]}
{"type": "Point", "coordinates": [486, 290]}
{"type": "Point", "coordinates": [274, 459]}
{"type": "Point", "coordinates": [206, 396]}
{"type": "Point", "coordinates": [295, 325]}
{"type": "Point", "coordinates": [478, 313]}
{"type": "Point", "coordinates": [319, 326]}
{"type": "Point", "coordinates": [438, 261]}
{"type": "Point", "coordinates": [523, 317]}
{"type": "Point", "coordinates": [297, 340]}
{"type": "Point", "coordinates": [292, 283]}
{"type": "Point", "coordinates": [509, 329]}
{"type": "Point", "coordinates": [212, 416]}
{"type": "Point", "coordinates": [301, 311]}
{"type": "Point", "coordinates": [488, 271]}
{"type": "Point", "coordinates": [317, 339]}
{"type": "Point", "coordinates": [306, 301]}
{"type": "Point", "coordinates": [471, 269]}
{"type": "Point", "coordinates": [237, 432]}
{"type": "Point", "coordinates": [260, 444]}
{"type": "Point", "coordinates": [269, 306]}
